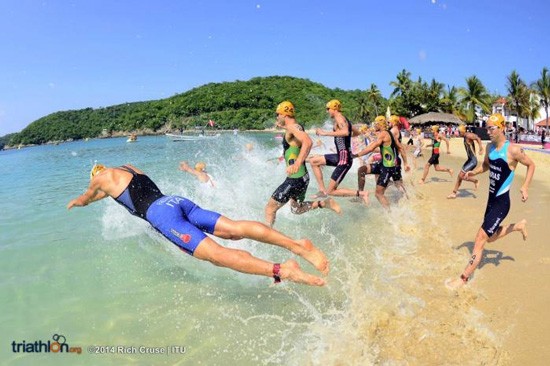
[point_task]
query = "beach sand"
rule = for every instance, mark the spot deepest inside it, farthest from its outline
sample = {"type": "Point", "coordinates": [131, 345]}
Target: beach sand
{"type": "Point", "coordinates": [502, 312]}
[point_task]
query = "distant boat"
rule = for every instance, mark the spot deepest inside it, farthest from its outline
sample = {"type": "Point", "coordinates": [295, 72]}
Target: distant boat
{"type": "Point", "coordinates": [191, 137]}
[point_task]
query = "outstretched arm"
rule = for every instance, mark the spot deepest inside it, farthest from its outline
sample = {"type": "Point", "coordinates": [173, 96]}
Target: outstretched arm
{"type": "Point", "coordinates": [92, 194]}
{"type": "Point", "coordinates": [186, 168]}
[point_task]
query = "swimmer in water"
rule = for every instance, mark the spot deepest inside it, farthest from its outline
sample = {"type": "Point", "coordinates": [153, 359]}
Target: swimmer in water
{"type": "Point", "coordinates": [186, 225]}
{"type": "Point", "coordinates": [199, 172]}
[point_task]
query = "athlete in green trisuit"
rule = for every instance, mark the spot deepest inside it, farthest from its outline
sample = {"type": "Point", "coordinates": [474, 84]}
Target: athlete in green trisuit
{"type": "Point", "coordinates": [297, 145]}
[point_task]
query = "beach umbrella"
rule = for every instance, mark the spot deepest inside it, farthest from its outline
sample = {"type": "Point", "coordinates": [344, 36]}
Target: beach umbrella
{"type": "Point", "coordinates": [435, 117]}
{"type": "Point", "coordinates": [543, 123]}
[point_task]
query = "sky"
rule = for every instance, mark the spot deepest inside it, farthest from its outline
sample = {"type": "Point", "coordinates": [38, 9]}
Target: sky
{"type": "Point", "coordinates": [71, 54]}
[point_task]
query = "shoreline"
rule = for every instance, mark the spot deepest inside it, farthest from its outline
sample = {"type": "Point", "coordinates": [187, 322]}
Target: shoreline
{"type": "Point", "coordinates": [510, 287]}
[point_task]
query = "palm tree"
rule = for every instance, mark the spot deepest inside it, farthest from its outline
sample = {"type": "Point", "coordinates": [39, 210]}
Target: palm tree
{"type": "Point", "coordinates": [449, 101]}
{"type": "Point", "coordinates": [542, 87]}
{"type": "Point", "coordinates": [533, 107]}
{"type": "Point", "coordinates": [517, 91]}
{"type": "Point", "coordinates": [402, 84]}
{"type": "Point", "coordinates": [475, 94]}
{"type": "Point", "coordinates": [374, 96]}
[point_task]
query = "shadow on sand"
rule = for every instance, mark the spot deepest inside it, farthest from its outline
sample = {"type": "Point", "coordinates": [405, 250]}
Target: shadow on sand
{"type": "Point", "coordinates": [490, 256]}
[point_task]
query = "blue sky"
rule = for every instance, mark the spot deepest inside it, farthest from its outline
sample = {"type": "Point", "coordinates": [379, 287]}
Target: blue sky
{"type": "Point", "coordinates": [60, 54]}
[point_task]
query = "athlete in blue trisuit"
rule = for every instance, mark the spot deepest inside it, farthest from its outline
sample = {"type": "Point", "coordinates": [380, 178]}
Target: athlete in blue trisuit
{"type": "Point", "coordinates": [184, 223]}
{"type": "Point", "coordinates": [501, 159]}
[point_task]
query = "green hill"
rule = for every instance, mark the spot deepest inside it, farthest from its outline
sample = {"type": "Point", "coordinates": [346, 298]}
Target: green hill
{"type": "Point", "coordinates": [241, 104]}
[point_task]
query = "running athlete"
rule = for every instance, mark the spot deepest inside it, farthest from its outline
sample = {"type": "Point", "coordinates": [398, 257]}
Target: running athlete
{"type": "Point", "coordinates": [434, 159]}
{"type": "Point", "coordinates": [471, 162]}
{"type": "Point", "coordinates": [395, 130]}
{"type": "Point", "coordinates": [185, 224]}
{"type": "Point", "coordinates": [501, 159]}
{"type": "Point", "coordinates": [296, 147]}
{"type": "Point", "coordinates": [342, 160]}
{"type": "Point", "coordinates": [390, 151]}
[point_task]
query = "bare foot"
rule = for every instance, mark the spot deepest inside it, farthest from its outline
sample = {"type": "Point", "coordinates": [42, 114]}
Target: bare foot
{"type": "Point", "coordinates": [421, 181]}
{"type": "Point", "coordinates": [291, 271]}
{"type": "Point", "coordinates": [451, 172]}
{"type": "Point", "coordinates": [476, 184]}
{"type": "Point", "coordinates": [452, 195]}
{"type": "Point", "coordinates": [333, 205]}
{"type": "Point", "coordinates": [365, 197]}
{"type": "Point", "coordinates": [522, 226]}
{"type": "Point", "coordinates": [313, 255]}
{"type": "Point", "coordinates": [320, 194]}
{"type": "Point", "coordinates": [454, 284]}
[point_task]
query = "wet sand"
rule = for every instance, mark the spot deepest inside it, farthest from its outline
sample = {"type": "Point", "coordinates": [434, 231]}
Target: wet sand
{"type": "Point", "coordinates": [501, 316]}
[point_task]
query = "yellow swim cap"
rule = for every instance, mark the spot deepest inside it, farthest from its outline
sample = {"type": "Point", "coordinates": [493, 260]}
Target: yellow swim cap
{"type": "Point", "coordinates": [462, 128]}
{"type": "Point", "coordinates": [364, 129]}
{"type": "Point", "coordinates": [286, 108]}
{"type": "Point", "coordinates": [200, 166]}
{"type": "Point", "coordinates": [380, 122]}
{"type": "Point", "coordinates": [394, 120]}
{"type": "Point", "coordinates": [497, 119]}
{"type": "Point", "coordinates": [418, 131]}
{"type": "Point", "coordinates": [435, 128]}
{"type": "Point", "coordinates": [334, 104]}
{"type": "Point", "coordinates": [96, 169]}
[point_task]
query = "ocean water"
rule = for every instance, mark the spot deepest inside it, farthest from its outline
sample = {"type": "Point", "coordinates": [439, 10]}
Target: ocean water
{"type": "Point", "coordinates": [116, 289]}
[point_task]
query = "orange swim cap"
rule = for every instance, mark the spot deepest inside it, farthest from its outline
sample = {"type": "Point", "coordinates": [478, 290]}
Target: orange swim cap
{"type": "Point", "coordinates": [334, 104]}
{"type": "Point", "coordinates": [286, 108]}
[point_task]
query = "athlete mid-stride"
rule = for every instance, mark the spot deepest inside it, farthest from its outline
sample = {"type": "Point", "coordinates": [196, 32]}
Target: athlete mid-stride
{"type": "Point", "coordinates": [296, 147]}
{"type": "Point", "coordinates": [501, 159]}
{"type": "Point", "coordinates": [342, 160]}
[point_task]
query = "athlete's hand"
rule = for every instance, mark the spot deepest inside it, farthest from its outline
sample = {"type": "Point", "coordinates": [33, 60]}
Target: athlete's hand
{"type": "Point", "coordinates": [71, 204]}
{"type": "Point", "coordinates": [524, 194]}
{"type": "Point", "coordinates": [319, 132]}
{"type": "Point", "coordinates": [292, 169]}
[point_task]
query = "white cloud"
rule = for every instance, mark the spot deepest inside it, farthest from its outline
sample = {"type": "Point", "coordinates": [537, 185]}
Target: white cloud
{"type": "Point", "coordinates": [422, 55]}
{"type": "Point", "coordinates": [51, 85]}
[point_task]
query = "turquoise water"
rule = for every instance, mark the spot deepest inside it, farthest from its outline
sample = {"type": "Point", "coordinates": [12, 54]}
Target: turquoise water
{"type": "Point", "coordinates": [101, 277]}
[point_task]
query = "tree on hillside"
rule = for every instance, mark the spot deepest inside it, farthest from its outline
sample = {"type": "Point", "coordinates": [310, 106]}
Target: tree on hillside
{"type": "Point", "coordinates": [542, 87]}
{"type": "Point", "coordinates": [473, 95]}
